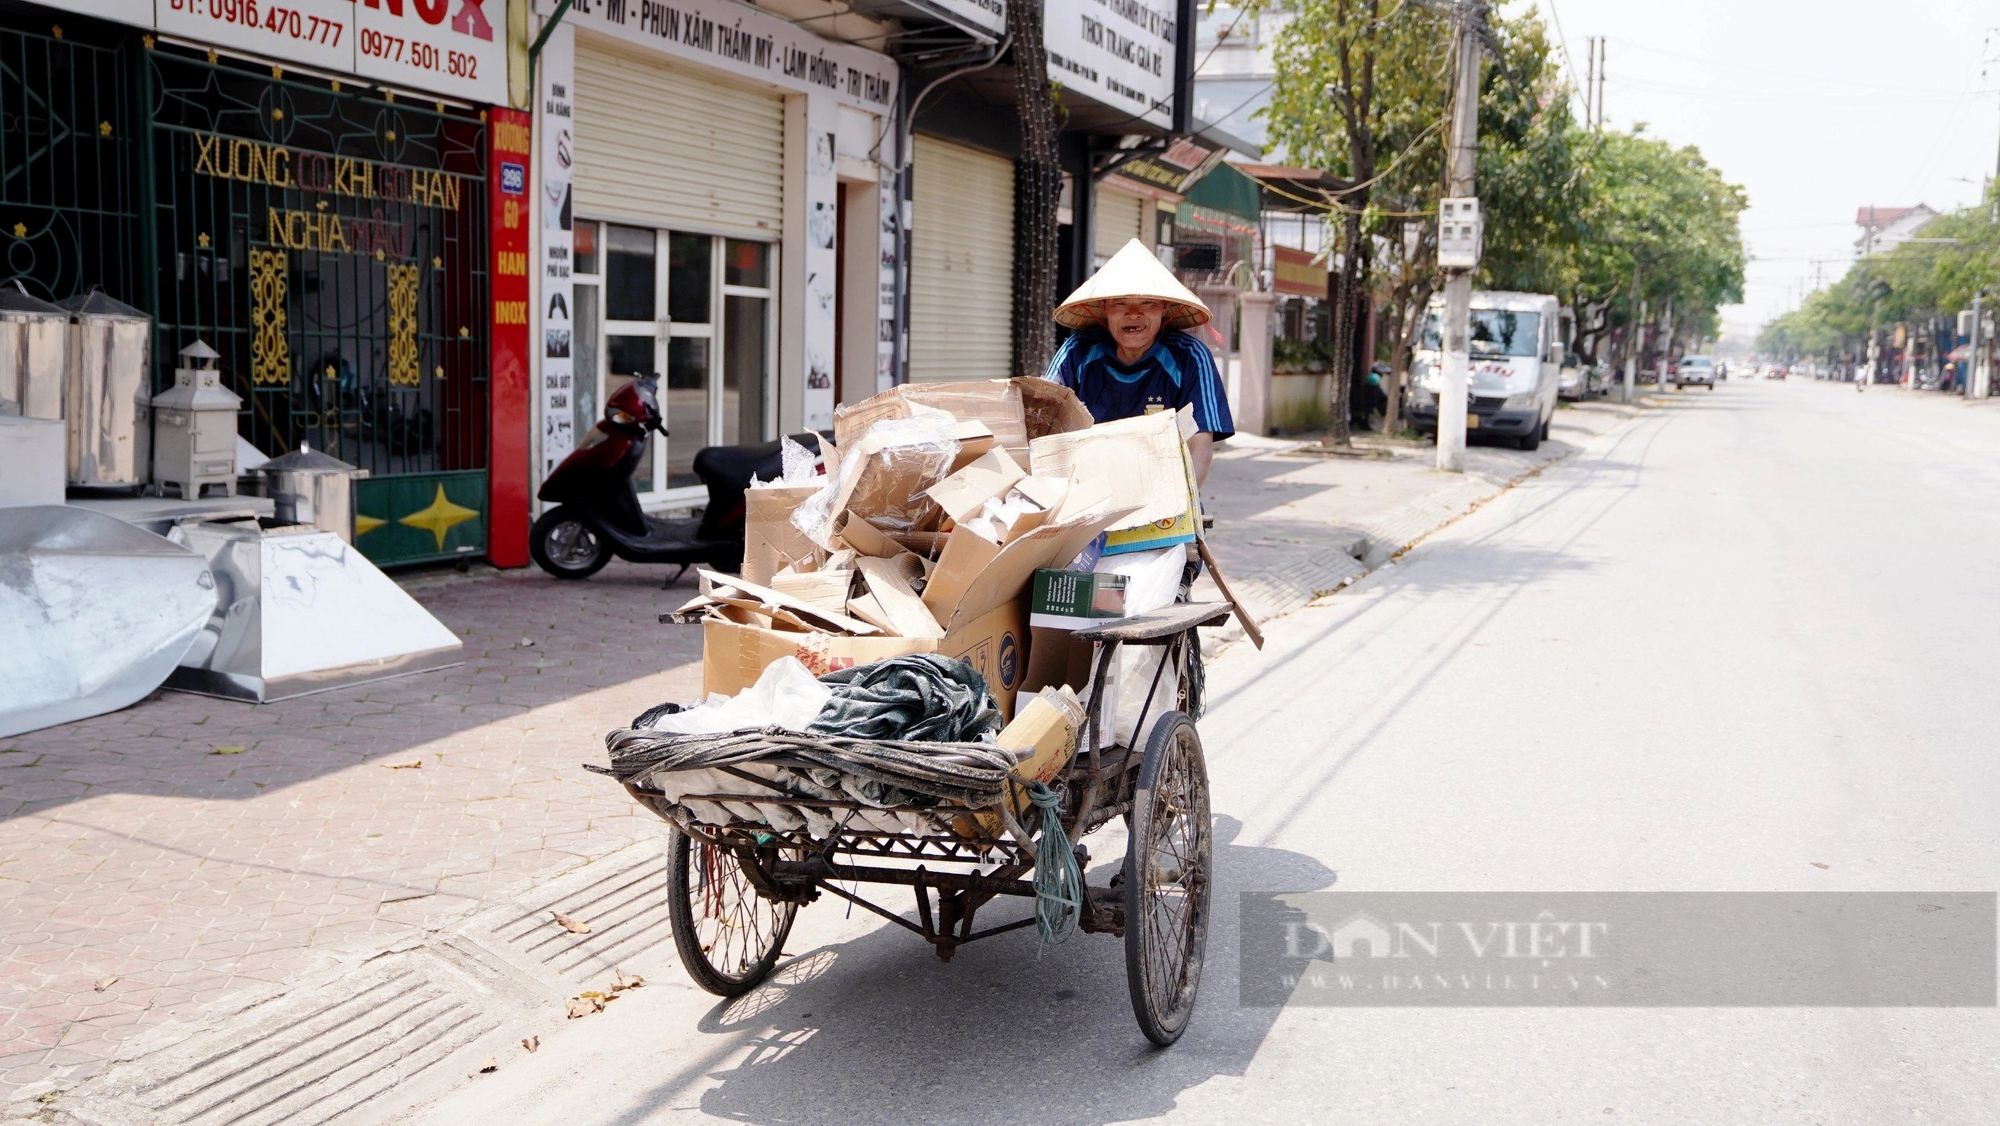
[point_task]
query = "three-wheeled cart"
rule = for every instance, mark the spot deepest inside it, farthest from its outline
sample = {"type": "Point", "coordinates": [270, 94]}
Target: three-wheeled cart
{"type": "Point", "coordinates": [737, 887]}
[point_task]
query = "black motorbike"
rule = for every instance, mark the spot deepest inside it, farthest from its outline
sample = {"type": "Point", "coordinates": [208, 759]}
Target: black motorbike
{"type": "Point", "coordinates": [597, 513]}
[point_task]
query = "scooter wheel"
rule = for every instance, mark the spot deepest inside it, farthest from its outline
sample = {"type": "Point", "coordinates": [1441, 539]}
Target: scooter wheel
{"type": "Point", "coordinates": [566, 546]}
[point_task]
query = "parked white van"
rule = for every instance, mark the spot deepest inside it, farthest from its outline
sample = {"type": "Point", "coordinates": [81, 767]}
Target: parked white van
{"type": "Point", "coordinates": [1516, 363]}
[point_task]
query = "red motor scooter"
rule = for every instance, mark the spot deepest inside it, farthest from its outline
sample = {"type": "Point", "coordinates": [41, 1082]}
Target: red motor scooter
{"type": "Point", "coordinates": [597, 513]}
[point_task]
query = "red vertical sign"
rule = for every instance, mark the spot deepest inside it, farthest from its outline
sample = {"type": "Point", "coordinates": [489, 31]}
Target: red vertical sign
{"type": "Point", "coordinates": [507, 481]}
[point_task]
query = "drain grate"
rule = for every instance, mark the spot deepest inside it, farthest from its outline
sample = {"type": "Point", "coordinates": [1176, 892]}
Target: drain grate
{"type": "Point", "coordinates": [623, 898]}
{"type": "Point", "coordinates": [315, 1053]}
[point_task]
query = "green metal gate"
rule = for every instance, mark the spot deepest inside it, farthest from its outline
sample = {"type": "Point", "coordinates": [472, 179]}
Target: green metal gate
{"type": "Point", "coordinates": [69, 188]}
{"type": "Point", "coordinates": [331, 244]}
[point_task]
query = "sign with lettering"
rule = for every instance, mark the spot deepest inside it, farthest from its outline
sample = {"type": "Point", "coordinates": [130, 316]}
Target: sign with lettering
{"type": "Point", "coordinates": [456, 47]}
{"type": "Point", "coordinates": [1116, 52]}
{"type": "Point", "coordinates": [318, 33]}
{"type": "Point", "coordinates": [453, 47]}
{"type": "Point", "coordinates": [511, 289]}
{"type": "Point", "coordinates": [745, 41]}
{"type": "Point", "coordinates": [989, 16]}
{"type": "Point", "coordinates": [556, 235]}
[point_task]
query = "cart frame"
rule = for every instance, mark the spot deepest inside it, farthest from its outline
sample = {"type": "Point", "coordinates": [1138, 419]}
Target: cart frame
{"type": "Point", "coordinates": [1154, 776]}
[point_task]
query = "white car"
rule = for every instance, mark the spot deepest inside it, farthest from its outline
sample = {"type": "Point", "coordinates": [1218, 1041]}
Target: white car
{"type": "Point", "coordinates": [1696, 370]}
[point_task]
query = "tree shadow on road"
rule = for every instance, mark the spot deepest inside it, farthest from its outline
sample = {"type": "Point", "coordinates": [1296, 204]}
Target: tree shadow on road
{"type": "Point", "coordinates": [877, 1029]}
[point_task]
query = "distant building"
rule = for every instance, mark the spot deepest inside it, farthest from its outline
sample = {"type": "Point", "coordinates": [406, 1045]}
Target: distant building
{"type": "Point", "coordinates": [1885, 228]}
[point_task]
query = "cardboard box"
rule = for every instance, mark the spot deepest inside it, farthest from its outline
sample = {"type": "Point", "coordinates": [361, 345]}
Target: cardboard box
{"type": "Point", "coordinates": [1056, 658]}
{"type": "Point", "coordinates": [1046, 729]}
{"type": "Point", "coordinates": [770, 542]}
{"type": "Point", "coordinates": [1050, 408]}
{"type": "Point", "coordinates": [963, 493]}
{"type": "Point", "coordinates": [1075, 599]}
{"type": "Point", "coordinates": [995, 643]}
{"type": "Point", "coordinates": [997, 403]}
{"type": "Point", "coordinates": [734, 654]}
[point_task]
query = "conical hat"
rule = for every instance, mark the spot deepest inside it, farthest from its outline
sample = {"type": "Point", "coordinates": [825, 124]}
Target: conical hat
{"type": "Point", "coordinates": [1132, 272]}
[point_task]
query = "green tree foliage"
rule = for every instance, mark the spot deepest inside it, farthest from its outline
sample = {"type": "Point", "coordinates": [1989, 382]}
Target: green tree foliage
{"type": "Point", "coordinates": [1911, 282]}
{"type": "Point", "coordinates": [1567, 211]}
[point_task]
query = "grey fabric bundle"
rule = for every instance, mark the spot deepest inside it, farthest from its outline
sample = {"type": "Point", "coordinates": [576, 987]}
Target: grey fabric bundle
{"type": "Point", "coordinates": [918, 698]}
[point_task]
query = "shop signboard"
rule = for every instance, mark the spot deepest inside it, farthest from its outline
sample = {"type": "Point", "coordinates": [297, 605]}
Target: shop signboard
{"type": "Point", "coordinates": [510, 211]}
{"type": "Point", "coordinates": [315, 33]}
{"type": "Point", "coordinates": [1119, 53]}
{"type": "Point", "coordinates": [452, 47]}
{"type": "Point", "coordinates": [556, 77]}
{"type": "Point", "coordinates": [744, 41]}
{"type": "Point", "coordinates": [457, 48]}
{"type": "Point", "coordinates": [1297, 273]}
{"type": "Point", "coordinates": [988, 16]}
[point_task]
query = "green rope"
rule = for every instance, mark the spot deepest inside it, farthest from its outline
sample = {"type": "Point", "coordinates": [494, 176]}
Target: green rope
{"type": "Point", "coordinates": [1058, 881]}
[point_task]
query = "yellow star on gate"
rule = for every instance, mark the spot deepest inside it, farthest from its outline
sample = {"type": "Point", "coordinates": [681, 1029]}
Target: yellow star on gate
{"type": "Point", "coordinates": [441, 517]}
{"type": "Point", "coordinates": [364, 524]}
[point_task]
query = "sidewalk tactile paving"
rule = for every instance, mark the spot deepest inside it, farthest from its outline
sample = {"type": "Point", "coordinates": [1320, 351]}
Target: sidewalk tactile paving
{"type": "Point", "coordinates": [127, 849]}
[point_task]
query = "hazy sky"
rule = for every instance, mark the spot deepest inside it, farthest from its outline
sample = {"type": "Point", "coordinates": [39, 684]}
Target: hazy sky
{"type": "Point", "coordinates": [1815, 108]}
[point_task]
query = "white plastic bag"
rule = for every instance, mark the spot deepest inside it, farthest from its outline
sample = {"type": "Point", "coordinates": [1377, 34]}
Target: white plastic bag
{"type": "Point", "coordinates": [787, 695]}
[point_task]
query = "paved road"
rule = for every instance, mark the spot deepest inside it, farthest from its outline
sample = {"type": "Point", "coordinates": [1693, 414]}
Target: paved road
{"type": "Point", "coordinates": [1739, 644]}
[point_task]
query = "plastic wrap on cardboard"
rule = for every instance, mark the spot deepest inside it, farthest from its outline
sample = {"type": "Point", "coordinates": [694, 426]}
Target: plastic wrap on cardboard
{"type": "Point", "coordinates": [882, 480]}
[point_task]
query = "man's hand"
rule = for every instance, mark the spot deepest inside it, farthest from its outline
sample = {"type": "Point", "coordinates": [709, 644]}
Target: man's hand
{"type": "Point", "coordinates": [1201, 448]}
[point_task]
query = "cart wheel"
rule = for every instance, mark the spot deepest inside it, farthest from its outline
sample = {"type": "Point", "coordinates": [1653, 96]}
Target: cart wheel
{"type": "Point", "coordinates": [1167, 861]}
{"type": "Point", "coordinates": [729, 937]}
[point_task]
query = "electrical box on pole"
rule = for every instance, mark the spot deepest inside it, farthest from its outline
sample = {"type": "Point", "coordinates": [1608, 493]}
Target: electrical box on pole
{"type": "Point", "coordinates": [1461, 233]}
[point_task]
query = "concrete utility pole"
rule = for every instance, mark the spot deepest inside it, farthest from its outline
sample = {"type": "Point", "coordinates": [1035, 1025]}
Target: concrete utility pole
{"type": "Point", "coordinates": [1636, 346]}
{"type": "Point", "coordinates": [1666, 344]}
{"type": "Point", "coordinates": [1470, 17]}
{"type": "Point", "coordinates": [1975, 352]}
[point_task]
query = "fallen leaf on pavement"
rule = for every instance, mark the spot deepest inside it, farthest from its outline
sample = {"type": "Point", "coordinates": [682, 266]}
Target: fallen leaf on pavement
{"type": "Point", "coordinates": [414, 764]}
{"type": "Point", "coordinates": [584, 1004]}
{"type": "Point", "coordinates": [532, 1043]}
{"type": "Point", "coordinates": [624, 983]}
{"type": "Point", "coordinates": [227, 751]}
{"type": "Point", "coordinates": [573, 926]}
{"type": "Point", "coordinates": [106, 983]}
{"type": "Point", "coordinates": [490, 1066]}
{"type": "Point", "coordinates": [526, 644]}
{"type": "Point", "coordinates": [1817, 864]}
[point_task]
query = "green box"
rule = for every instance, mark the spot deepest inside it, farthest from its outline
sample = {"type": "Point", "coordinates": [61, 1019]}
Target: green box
{"type": "Point", "coordinates": [1075, 599]}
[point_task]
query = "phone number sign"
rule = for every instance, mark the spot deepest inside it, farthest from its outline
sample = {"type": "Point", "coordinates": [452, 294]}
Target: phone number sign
{"type": "Point", "coordinates": [452, 47]}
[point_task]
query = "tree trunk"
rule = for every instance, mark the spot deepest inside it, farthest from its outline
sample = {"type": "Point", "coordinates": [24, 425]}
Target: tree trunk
{"type": "Point", "coordinates": [1342, 326]}
{"type": "Point", "coordinates": [1037, 191]}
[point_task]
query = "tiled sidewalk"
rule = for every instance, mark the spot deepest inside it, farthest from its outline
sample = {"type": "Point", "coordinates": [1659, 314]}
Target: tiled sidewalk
{"type": "Point", "coordinates": [186, 847]}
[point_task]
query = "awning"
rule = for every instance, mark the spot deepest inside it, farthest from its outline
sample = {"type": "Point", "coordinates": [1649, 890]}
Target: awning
{"type": "Point", "coordinates": [1292, 189]}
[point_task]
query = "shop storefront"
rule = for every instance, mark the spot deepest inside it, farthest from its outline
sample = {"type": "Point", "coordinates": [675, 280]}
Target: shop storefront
{"type": "Point", "coordinates": [711, 212]}
{"type": "Point", "coordinates": [328, 231]}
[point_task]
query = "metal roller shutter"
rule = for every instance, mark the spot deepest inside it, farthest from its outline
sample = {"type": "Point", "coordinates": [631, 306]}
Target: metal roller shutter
{"type": "Point", "coordinates": [674, 146]}
{"type": "Point", "coordinates": [962, 264]}
{"type": "Point", "coordinates": [1120, 218]}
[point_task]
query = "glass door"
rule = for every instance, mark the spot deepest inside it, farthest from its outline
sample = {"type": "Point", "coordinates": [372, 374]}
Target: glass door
{"type": "Point", "coordinates": [634, 336]}
{"type": "Point", "coordinates": [696, 310]}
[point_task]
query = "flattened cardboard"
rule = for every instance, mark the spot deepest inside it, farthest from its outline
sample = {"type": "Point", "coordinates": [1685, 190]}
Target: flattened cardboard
{"type": "Point", "coordinates": [1140, 458]}
{"type": "Point", "coordinates": [974, 439]}
{"type": "Point", "coordinates": [825, 591]}
{"type": "Point", "coordinates": [907, 615]}
{"type": "Point", "coordinates": [713, 583]}
{"type": "Point", "coordinates": [769, 539]}
{"type": "Point", "coordinates": [962, 494]}
{"type": "Point", "coordinates": [867, 539]}
{"type": "Point", "coordinates": [997, 403]}
{"type": "Point", "coordinates": [1056, 658]}
{"type": "Point", "coordinates": [733, 656]}
{"type": "Point", "coordinates": [1005, 578]}
{"type": "Point", "coordinates": [966, 554]}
